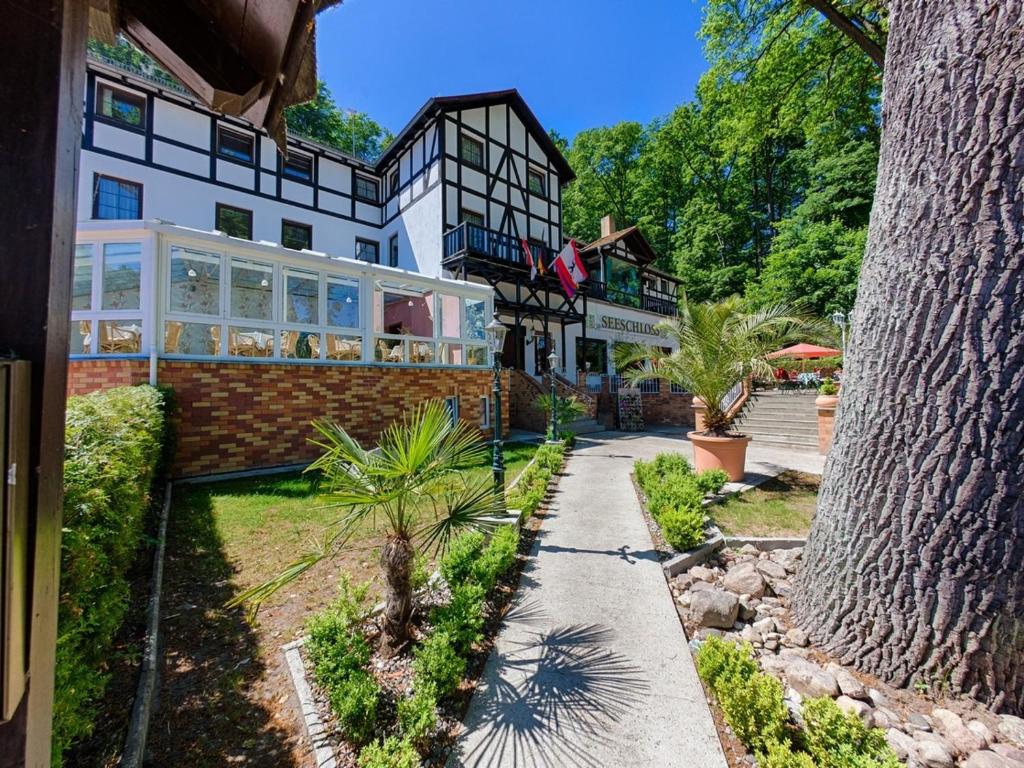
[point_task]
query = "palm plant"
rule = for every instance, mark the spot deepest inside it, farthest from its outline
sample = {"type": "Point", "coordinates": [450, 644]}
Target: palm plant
{"type": "Point", "coordinates": [569, 408]}
{"type": "Point", "coordinates": [411, 483]}
{"type": "Point", "coordinates": [719, 346]}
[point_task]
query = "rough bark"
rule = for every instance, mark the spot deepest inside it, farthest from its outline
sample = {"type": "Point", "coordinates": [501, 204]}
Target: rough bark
{"type": "Point", "coordinates": [913, 567]}
{"type": "Point", "coordinates": [396, 559]}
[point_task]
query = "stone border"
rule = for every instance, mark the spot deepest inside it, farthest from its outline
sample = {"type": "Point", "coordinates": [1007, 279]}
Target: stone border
{"type": "Point", "coordinates": [684, 561]}
{"type": "Point", "coordinates": [138, 725]}
{"type": "Point", "coordinates": [764, 544]}
{"type": "Point", "coordinates": [323, 752]}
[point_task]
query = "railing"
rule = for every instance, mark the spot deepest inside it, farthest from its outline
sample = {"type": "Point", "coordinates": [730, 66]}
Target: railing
{"type": "Point", "coordinates": [474, 239]}
{"type": "Point", "coordinates": [649, 300]}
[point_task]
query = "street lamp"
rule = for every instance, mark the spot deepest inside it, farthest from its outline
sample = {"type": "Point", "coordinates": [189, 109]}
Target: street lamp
{"type": "Point", "coordinates": [495, 333]}
{"type": "Point", "coordinates": [552, 369]}
{"type": "Point", "coordinates": [840, 319]}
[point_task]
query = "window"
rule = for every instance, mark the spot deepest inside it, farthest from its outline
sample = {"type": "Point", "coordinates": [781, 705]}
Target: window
{"type": "Point", "coordinates": [116, 198]}
{"type": "Point", "coordinates": [393, 182]}
{"type": "Point", "coordinates": [535, 181]}
{"type": "Point", "coordinates": [195, 282]}
{"type": "Point", "coordinates": [451, 404]}
{"type": "Point", "coordinates": [676, 389]}
{"type": "Point", "coordinates": [342, 302]}
{"type": "Point", "coordinates": [471, 151]}
{"type": "Point", "coordinates": [368, 250]}
{"type": "Point", "coordinates": [252, 290]}
{"type": "Point", "coordinates": [81, 293]}
{"type": "Point", "coordinates": [298, 167]}
{"type": "Point", "coordinates": [107, 302]}
{"type": "Point", "coordinates": [234, 144]}
{"type": "Point", "coordinates": [592, 355]}
{"type": "Point", "coordinates": [472, 217]}
{"type": "Point", "coordinates": [121, 276]}
{"type": "Point", "coordinates": [485, 411]}
{"type": "Point", "coordinates": [236, 222]}
{"type": "Point", "coordinates": [301, 296]}
{"type": "Point", "coordinates": [366, 189]}
{"type": "Point", "coordinates": [393, 251]}
{"type": "Point", "coordinates": [121, 106]}
{"type": "Point", "coordinates": [296, 235]}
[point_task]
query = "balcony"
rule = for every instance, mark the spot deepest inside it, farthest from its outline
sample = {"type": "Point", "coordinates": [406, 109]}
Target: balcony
{"type": "Point", "coordinates": [648, 300]}
{"type": "Point", "coordinates": [470, 239]}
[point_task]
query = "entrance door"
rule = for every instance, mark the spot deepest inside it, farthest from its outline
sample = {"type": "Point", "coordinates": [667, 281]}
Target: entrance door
{"type": "Point", "coordinates": [541, 350]}
{"type": "Point", "coordinates": [512, 351]}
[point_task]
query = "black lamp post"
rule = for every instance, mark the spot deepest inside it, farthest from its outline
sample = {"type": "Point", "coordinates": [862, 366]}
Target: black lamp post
{"type": "Point", "coordinates": [552, 369]}
{"type": "Point", "coordinates": [495, 332]}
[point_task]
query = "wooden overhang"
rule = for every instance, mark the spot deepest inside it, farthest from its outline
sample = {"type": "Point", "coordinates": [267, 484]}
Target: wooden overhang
{"type": "Point", "coordinates": [249, 58]}
{"type": "Point", "coordinates": [631, 238]}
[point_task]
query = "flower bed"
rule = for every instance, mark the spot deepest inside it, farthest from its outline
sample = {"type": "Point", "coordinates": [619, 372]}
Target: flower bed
{"type": "Point", "coordinates": [675, 497]}
{"type": "Point", "coordinates": [396, 712]}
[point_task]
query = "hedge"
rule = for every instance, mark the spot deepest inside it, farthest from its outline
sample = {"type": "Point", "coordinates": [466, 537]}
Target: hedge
{"type": "Point", "coordinates": [113, 443]}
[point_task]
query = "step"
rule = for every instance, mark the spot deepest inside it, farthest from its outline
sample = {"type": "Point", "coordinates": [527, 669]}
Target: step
{"type": "Point", "coordinates": [771, 420]}
{"type": "Point", "coordinates": [783, 441]}
{"type": "Point", "coordinates": [583, 426]}
{"type": "Point", "coordinates": [796, 432]}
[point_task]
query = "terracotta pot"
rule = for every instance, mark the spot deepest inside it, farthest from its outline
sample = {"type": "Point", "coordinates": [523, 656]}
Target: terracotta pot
{"type": "Point", "coordinates": [712, 452]}
{"type": "Point", "coordinates": [826, 407]}
{"type": "Point", "coordinates": [826, 402]}
{"type": "Point", "coordinates": [699, 409]}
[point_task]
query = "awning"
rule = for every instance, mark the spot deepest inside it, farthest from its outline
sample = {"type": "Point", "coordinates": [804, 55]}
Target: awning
{"type": "Point", "coordinates": [805, 352]}
{"type": "Point", "coordinates": [249, 58]}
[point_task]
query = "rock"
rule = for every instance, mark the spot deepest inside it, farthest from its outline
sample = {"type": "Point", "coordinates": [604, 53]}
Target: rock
{"type": "Point", "coordinates": [982, 731]}
{"type": "Point", "coordinates": [684, 599]}
{"type": "Point", "coordinates": [782, 588]}
{"type": "Point", "coordinates": [808, 678]}
{"type": "Point", "coordinates": [764, 626]}
{"type": "Point", "coordinates": [934, 754]}
{"type": "Point", "coordinates": [788, 558]}
{"type": "Point", "coordinates": [904, 746]}
{"type": "Point", "coordinates": [771, 570]}
{"type": "Point", "coordinates": [1012, 729]}
{"type": "Point", "coordinates": [848, 684]}
{"type": "Point", "coordinates": [750, 635]}
{"type": "Point", "coordinates": [1009, 751]}
{"type": "Point", "coordinates": [748, 608]}
{"type": "Point", "coordinates": [952, 727]}
{"type": "Point", "coordinates": [702, 573]}
{"type": "Point", "coordinates": [705, 632]}
{"type": "Point", "coordinates": [748, 549]}
{"type": "Point", "coordinates": [877, 698]}
{"type": "Point", "coordinates": [684, 580]}
{"type": "Point", "coordinates": [988, 759]}
{"type": "Point", "coordinates": [701, 586]}
{"type": "Point", "coordinates": [711, 608]}
{"type": "Point", "coordinates": [883, 718]}
{"type": "Point", "coordinates": [771, 644]}
{"type": "Point", "coordinates": [918, 722]}
{"type": "Point", "coordinates": [743, 579]}
{"type": "Point", "coordinates": [853, 706]}
{"type": "Point", "coordinates": [796, 637]}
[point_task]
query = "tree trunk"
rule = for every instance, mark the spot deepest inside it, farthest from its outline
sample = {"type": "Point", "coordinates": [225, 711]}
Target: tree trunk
{"type": "Point", "coordinates": [396, 560]}
{"type": "Point", "coordinates": [913, 567]}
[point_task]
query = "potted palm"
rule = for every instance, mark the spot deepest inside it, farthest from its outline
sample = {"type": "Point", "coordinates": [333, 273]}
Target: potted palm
{"type": "Point", "coordinates": [412, 486]}
{"type": "Point", "coordinates": [720, 346]}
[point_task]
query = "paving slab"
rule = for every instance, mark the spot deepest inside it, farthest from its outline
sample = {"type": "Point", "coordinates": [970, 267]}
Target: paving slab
{"type": "Point", "coordinates": [591, 666]}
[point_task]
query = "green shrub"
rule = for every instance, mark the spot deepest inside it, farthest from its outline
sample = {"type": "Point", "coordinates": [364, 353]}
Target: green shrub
{"type": "Point", "coordinates": [462, 617]}
{"type": "Point", "coordinates": [437, 663]}
{"type": "Point", "coordinates": [336, 648]}
{"type": "Point", "coordinates": [462, 553]}
{"type": "Point", "coordinates": [417, 716]}
{"type": "Point", "coordinates": [781, 755]}
{"type": "Point", "coordinates": [533, 482]}
{"type": "Point", "coordinates": [112, 449]}
{"type": "Point", "coordinates": [755, 710]}
{"type": "Point", "coordinates": [499, 556]}
{"type": "Point", "coordinates": [354, 700]}
{"type": "Point", "coordinates": [660, 465]}
{"type": "Point", "coordinates": [712, 480]}
{"type": "Point", "coordinates": [420, 571]}
{"type": "Point", "coordinates": [721, 662]}
{"type": "Point", "coordinates": [673, 491]}
{"type": "Point", "coordinates": [392, 753]}
{"type": "Point", "coordinates": [837, 739]}
{"type": "Point", "coordinates": [683, 528]}
{"type": "Point", "coordinates": [828, 388]}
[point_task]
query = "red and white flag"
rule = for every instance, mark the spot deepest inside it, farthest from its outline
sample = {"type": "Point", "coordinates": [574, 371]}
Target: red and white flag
{"type": "Point", "coordinates": [528, 255]}
{"type": "Point", "coordinates": [569, 267]}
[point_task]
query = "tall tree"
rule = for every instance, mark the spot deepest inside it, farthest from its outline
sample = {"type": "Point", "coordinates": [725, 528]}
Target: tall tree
{"type": "Point", "coordinates": [912, 569]}
{"type": "Point", "coordinates": [354, 133]}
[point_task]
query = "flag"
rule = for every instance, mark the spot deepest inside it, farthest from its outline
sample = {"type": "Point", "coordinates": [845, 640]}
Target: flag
{"type": "Point", "coordinates": [528, 255]}
{"type": "Point", "coordinates": [569, 267]}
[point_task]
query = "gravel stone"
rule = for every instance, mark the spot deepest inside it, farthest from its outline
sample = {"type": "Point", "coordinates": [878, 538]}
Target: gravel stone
{"type": "Point", "coordinates": [988, 759]}
{"type": "Point", "coordinates": [1012, 729]}
{"type": "Point", "coordinates": [702, 573]}
{"type": "Point", "coordinates": [1009, 751]}
{"type": "Point", "coordinates": [904, 746]}
{"type": "Point", "coordinates": [933, 753]}
{"type": "Point", "coordinates": [952, 727]}
{"type": "Point", "coordinates": [858, 708]}
{"type": "Point", "coordinates": [797, 637]}
{"type": "Point", "coordinates": [711, 608]}
{"type": "Point", "coordinates": [771, 570]}
{"type": "Point", "coordinates": [743, 579]}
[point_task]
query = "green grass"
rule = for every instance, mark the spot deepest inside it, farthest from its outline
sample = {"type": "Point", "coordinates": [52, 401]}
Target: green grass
{"type": "Point", "coordinates": [783, 506]}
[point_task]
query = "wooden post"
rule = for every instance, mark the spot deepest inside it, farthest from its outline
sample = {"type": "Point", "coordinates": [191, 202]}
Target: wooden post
{"type": "Point", "coordinates": [40, 137]}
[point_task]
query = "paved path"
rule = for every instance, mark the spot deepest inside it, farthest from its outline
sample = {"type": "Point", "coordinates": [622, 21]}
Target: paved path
{"type": "Point", "coordinates": [591, 667]}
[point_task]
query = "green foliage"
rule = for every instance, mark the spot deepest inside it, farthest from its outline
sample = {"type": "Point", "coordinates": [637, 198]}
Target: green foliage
{"type": "Point", "coordinates": [391, 753]}
{"type": "Point", "coordinates": [837, 739]}
{"type": "Point", "coordinates": [568, 408]}
{"type": "Point", "coordinates": [828, 388]}
{"type": "Point", "coordinates": [497, 558]}
{"type": "Point", "coordinates": [683, 528]}
{"type": "Point", "coordinates": [420, 571]}
{"type": "Point", "coordinates": [353, 133]}
{"type": "Point", "coordinates": [437, 663]}
{"type": "Point", "coordinates": [112, 449]}
{"type": "Point", "coordinates": [720, 663]}
{"type": "Point", "coordinates": [712, 480]}
{"type": "Point", "coordinates": [780, 754]}
{"type": "Point", "coordinates": [355, 700]}
{"type": "Point", "coordinates": [417, 716]}
{"type": "Point", "coordinates": [532, 485]}
{"type": "Point", "coordinates": [662, 464]}
{"type": "Point", "coordinates": [671, 492]}
{"type": "Point", "coordinates": [463, 552]}
{"type": "Point", "coordinates": [461, 619]}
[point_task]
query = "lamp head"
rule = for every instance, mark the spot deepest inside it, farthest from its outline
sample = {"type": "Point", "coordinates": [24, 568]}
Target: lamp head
{"type": "Point", "coordinates": [495, 332]}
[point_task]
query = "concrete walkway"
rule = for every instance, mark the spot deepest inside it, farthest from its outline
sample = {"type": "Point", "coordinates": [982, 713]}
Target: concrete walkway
{"type": "Point", "coordinates": [591, 667]}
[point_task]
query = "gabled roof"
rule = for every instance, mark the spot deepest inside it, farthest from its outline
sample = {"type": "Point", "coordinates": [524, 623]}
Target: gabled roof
{"type": "Point", "coordinates": [511, 96]}
{"type": "Point", "coordinates": [632, 238]}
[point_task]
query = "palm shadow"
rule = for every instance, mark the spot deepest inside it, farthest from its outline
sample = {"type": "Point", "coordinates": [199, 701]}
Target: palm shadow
{"type": "Point", "coordinates": [550, 699]}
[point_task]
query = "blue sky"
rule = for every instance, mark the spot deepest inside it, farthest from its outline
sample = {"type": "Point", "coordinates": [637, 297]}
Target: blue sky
{"type": "Point", "coordinates": [578, 64]}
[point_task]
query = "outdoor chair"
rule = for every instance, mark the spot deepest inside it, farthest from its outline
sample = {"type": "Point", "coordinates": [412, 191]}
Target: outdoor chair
{"type": "Point", "coordinates": [314, 346]}
{"type": "Point", "coordinates": [289, 341]}
{"type": "Point", "coordinates": [172, 335]}
{"type": "Point", "coordinates": [115, 338]}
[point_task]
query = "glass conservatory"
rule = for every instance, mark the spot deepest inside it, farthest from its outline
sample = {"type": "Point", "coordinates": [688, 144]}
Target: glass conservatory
{"type": "Point", "coordinates": [147, 288]}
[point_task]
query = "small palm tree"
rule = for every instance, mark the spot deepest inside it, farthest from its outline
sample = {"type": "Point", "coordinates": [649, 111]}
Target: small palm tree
{"type": "Point", "coordinates": [411, 482]}
{"type": "Point", "coordinates": [720, 345]}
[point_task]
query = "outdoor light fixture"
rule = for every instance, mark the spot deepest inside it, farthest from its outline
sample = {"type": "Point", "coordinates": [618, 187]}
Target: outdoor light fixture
{"type": "Point", "coordinates": [552, 370]}
{"type": "Point", "coordinates": [192, 272]}
{"type": "Point", "coordinates": [264, 283]}
{"type": "Point", "coordinates": [495, 332]}
{"type": "Point", "coordinates": [840, 319]}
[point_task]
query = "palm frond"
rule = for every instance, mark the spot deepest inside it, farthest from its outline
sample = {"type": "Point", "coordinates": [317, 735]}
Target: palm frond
{"type": "Point", "coordinates": [464, 508]}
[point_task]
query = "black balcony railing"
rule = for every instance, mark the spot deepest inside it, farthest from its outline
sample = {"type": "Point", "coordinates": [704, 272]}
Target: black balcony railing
{"type": "Point", "coordinates": [649, 300]}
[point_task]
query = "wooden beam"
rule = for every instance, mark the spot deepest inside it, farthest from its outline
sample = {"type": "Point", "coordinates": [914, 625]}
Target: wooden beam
{"type": "Point", "coordinates": [846, 25]}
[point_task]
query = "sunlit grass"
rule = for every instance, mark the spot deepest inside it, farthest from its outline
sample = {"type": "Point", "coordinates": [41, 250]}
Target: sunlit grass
{"type": "Point", "coordinates": [783, 506]}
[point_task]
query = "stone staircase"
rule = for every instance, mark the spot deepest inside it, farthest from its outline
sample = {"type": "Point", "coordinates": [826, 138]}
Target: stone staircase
{"type": "Point", "coordinates": [583, 426]}
{"type": "Point", "coordinates": [781, 420]}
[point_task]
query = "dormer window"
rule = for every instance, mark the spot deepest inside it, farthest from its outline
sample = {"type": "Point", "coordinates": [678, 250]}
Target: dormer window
{"type": "Point", "coordinates": [535, 181]}
{"type": "Point", "coordinates": [298, 167]}
{"type": "Point", "coordinates": [234, 144]}
{"type": "Point", "coordinates": [393, 182]}
{"type": "Point", "coordinates": [366, 189]}
{"type": "Point", "coordinates": [471, 151]}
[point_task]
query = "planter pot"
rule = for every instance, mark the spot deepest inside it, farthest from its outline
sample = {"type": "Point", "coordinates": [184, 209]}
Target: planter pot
{"type": "Point", "coordinates": [712, 452]}
{"type": "Point", "coordinates": [826, 407]}
{"type": "Point", "coordinates": [699, 409]}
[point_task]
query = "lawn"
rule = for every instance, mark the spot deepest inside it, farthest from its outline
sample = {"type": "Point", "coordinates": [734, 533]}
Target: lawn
{"type": "Point", "coordinates": [782, 506]}
{"type": "Point", "coordinates": [227, 696]}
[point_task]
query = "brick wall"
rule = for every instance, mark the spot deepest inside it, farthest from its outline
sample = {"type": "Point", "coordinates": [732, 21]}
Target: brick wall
{"type": "Point", "coordinates": [236, 416]}
{"type": "Point", "coordinates": [663, 407]}
{"type": "Point", "coordinates": [523, 392]}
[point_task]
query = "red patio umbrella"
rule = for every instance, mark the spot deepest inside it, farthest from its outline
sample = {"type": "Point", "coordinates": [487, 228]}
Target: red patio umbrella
{"type": "Point", "coordinates": [805, 352]}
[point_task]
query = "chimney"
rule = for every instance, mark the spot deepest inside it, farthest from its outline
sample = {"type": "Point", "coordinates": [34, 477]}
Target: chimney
{"type": "Point", "coordinates": [607, 225]}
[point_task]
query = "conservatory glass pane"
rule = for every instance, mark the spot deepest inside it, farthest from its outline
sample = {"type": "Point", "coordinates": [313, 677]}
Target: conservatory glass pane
{"type": "Point", "coordinates": [301, 297]}
{"type": "Point", "coordinates": [195, 282]}
{"type": "Point", "coordinates": [252, 290]}
{"type": "Point", "coordinates": [122, 275]}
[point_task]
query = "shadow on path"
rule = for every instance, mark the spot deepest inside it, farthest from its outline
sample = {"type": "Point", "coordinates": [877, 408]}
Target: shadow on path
{"type": "Point", "coordinates": [551, 696]}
